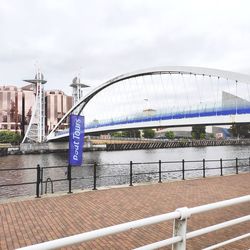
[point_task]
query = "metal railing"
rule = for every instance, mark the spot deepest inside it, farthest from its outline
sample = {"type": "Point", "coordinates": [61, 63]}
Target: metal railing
{"type": "Point", "coordinates": [129, 173]}
{"type": "Point", "coordinates": [180, 235]}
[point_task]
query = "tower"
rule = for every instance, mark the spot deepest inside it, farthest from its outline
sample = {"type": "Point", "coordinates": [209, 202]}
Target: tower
{"type": "Point", "coordinates": [77, 92]}
{"type": "Point", "coordinates": [36, 128]}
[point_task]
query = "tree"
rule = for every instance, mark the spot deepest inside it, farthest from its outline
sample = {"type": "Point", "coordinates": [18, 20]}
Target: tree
{"type": "Point", "coordinates": [199, 132]}
{"type": "Point", "coordinates": [148, 133]}
{"type": "Point", "coordinates": [169, 135]}
{"type": "Point", "coordinates": [241, 130]}
{"type": "Point", "coordinates": [134, 133]}
{"type": "Point", "coordinates": [116, 134]}
{"type": "Point", "coordinates": [10, 137]}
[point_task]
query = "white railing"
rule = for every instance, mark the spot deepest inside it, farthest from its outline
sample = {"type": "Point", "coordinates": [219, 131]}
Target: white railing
{"type": "Point", "coordinates": [180, 235]}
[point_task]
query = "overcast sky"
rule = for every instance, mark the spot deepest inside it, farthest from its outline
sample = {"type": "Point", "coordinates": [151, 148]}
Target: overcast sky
{"type": "Point", "coordinates": [102, 39]}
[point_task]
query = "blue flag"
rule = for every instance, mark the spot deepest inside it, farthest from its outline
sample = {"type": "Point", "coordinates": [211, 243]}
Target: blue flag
{"type": "Point", "coordinates": [76, 139]}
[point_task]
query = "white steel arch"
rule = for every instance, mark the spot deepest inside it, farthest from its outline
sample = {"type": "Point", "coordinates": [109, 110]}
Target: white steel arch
{"type": "Point", "coordinates": [238, 77]}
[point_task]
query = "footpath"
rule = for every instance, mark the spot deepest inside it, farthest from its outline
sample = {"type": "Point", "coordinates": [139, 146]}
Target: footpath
{"type": "Point", "coordinates": [30, 220]}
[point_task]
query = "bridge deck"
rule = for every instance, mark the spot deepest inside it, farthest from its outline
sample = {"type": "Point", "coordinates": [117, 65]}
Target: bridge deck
{"type": "Point", "coordinates": [36, 220]}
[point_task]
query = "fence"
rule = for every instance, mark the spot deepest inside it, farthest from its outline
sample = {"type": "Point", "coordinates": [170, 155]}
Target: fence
{"type": "Point", "coordinates": [180, 234]}
{"type": "Point", "coordinates": [96, 175]}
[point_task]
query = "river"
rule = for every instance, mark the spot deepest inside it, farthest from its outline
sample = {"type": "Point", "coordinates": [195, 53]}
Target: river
{"type": "Point", "coordinates": [106, 171]}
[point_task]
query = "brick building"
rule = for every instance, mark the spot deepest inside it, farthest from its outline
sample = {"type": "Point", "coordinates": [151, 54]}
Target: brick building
{"type": "Point", "coordinates": [16, 106]}
{"type": "Point", "coordinates": [57, 104]}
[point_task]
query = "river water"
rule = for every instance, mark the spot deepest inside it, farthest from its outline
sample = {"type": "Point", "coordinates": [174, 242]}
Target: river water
{"type": "Point", "coordinates": [113, 167]}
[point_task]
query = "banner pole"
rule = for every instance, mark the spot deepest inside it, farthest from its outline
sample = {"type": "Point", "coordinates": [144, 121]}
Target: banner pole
{"type": "Point", "coordinates": [69, 178]}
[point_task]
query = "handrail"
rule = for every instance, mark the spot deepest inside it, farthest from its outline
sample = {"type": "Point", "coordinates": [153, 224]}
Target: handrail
{"type": "Point", "coordinates": [159, 168]}
{"type": "Point", "coordinates": [196, 233]}
{"type": "Point", "coordinates": [179, 215]}
{"type": "Point", "coordinates": [78, 238]}
{"type": "Point", "coordinates": [227, 242]}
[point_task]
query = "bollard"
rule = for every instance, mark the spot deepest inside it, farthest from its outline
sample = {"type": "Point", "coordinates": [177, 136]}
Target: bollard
{"type": "Point", "coordinates": [204, 168]}
{"type": "Point", "coordinates": [160, 172]}
{"type": "Point", "coordinates": [94, 175]}
{"type": "Point", "coordinates": [221, 169]}
{"type": "Point", "coordinates": [183, 169]}
{"type": "Point", "coordinates": [38, 179]}
{"type": "Point", "coordinates": [69, 178]}
{"type": "Point", "coordinates": [131, 174]}
{"type": "Point", "coordinates": [236, 166]}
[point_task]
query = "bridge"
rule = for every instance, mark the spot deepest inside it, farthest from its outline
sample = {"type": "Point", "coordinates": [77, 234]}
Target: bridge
{"type": "Point", "coordinates": [163, 97]}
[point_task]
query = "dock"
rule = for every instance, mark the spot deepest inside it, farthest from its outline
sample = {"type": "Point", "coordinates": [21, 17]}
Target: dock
{"type": "Point", "coordinates": [27, 221]}
{"type": "Point", "coordinates": [156, 144]}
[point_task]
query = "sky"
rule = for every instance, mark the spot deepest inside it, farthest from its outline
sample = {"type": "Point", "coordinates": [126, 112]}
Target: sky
{"type": "Point", "coordinates": [98, 40]}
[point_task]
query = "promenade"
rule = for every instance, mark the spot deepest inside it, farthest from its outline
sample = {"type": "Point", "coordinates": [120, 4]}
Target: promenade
{"type": "Point", "coordinates": [30, 220]}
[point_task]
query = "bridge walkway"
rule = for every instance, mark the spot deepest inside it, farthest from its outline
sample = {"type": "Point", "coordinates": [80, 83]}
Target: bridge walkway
{"type": "Point", "coordinates": [29, 221]}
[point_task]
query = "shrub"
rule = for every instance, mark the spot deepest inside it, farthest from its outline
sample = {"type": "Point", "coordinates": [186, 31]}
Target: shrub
{"type": "Point", "coordinates": [7, 136]}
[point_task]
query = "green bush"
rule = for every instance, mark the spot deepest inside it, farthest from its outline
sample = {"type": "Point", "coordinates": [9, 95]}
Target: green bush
{"type": "Point", "coordinates": [148, 133]}
{"type": "Point", "coordinates": [169, 135]}
{"type": "Point", "coordinates": [7, 136]}
{"type": "Point", "coordinates": [198, 132]}
{"type": "Point", "coordinates": [127, 133]}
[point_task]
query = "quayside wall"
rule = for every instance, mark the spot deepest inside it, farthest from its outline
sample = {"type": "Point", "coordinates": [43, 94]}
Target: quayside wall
{"type": "Point", "coordinates": [174, 144]}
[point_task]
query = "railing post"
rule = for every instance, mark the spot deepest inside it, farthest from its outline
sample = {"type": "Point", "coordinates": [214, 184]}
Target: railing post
{"type": "Point", "coordinates": [94, 175]}
{"type": "Point", "coordinates": [221, 168]}
{"type": "Point", "coordinates": [131, 173]}
{"type": "Point", "coordinates": [38, 179]}
{"type": "Point", "coordinates": [236, 166]}
{"type": "Point", "coordinates": [183, 169]}
{"type": "Point", "coordinates": [69, 178]}
{"type": "Point", "coordinates": [180, 228]}
{"type": "Point", "coordinates": [41, 180]}
{"type": "Point", "coordinates": [204, 168]}
{"type": "Point", "coordinates": [249, 164]}
{"type": "Point", "coordinates": [160, 172]}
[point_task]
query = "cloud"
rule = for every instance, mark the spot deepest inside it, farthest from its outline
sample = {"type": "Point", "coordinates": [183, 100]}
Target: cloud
{"type": "Point", "coordinates": [102, 39]}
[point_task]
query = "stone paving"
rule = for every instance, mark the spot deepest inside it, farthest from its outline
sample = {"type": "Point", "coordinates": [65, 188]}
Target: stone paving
{"type": "Point", "coordinates": [31, 221]}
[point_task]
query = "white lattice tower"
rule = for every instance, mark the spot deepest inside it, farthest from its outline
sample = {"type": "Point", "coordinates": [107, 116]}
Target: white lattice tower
{"type": "Point", "coordinates": [36, 128]}
{"type": "Point", "coordinates": [77, 92]}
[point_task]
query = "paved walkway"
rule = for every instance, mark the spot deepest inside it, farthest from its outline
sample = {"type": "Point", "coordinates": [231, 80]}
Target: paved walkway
{"type": "Point", "coordinates": [36, 220]}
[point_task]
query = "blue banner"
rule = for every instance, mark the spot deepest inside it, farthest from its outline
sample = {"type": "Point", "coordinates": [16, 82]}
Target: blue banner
{"type": "Point", "coordinates": [76, 140]}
